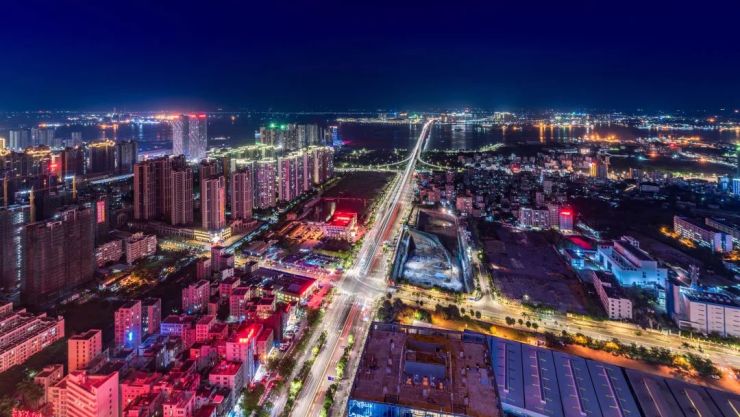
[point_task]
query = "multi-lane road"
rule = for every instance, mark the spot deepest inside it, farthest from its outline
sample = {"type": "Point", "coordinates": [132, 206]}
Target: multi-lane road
{"type": "Point", "coordinates": [360, 287]}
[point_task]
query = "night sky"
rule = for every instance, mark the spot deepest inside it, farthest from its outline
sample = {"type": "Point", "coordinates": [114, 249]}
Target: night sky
{"type": "Point", "coordinates": [319, 55]}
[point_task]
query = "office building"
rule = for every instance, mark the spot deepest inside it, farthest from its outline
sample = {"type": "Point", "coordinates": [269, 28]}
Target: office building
{"type": "Point", "coordinates": [265, 181]}
{"type": "Point", "coordinates": [83, 348]}
{"type": "Point", "coordinates": [127, 325]}
{"type": "Point", "coordinates": [81, 394]}
{"type": "Point", "coordinates": [195, 297]}
{"type": "Point", "coordinates": [53, 266]}
{"type": "Point", "coordinates": [615, 302]}
{"type": "Point", "coordinates": [182, 196]}
{"type": "Point", "coordinates": [736, 187]}
{"type": "Point", "coordinates": [190, 136]}
{"type": "Point", "coordinates": [151, 315]}
{"type": "Point", "coordinates": [702, 234]}
{"type": "Point", "coordinates": [630, 264]}
{"type": "Point", "coordinates": [23, 334]}
{"type": "Point", "coordinates": [153, 189]}
{"type": "Point", "coordinates": [138, 246]}
{"type": "Point", "coordinates": [101, 157]}
{"type": "Point", "coordinates": [127, 153]}
{"type": "Point", "coordinates": [242, 193]}
{"type": "Point", "coordinates": [213, 203]}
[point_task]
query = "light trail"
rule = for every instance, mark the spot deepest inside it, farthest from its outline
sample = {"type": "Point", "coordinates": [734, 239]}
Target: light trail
{"type": "Point", "coordinates": [358, 287]}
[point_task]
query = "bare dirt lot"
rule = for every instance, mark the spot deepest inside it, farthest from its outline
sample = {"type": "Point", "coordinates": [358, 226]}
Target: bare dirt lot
{"type": "Point", "coordinates": [525, 266]}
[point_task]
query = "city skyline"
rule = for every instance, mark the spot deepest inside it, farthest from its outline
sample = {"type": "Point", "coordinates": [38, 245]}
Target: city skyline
{"type": "Point", "coordinates": [369, 209]}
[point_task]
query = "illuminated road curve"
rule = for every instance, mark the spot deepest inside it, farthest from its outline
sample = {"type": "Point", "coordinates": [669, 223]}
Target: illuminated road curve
{"type": "Point", "coordinates": [350, 312]}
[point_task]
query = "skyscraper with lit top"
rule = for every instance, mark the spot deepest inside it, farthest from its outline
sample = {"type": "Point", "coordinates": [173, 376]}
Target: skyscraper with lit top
{"type": "Point", "coordinates": [190, 136]}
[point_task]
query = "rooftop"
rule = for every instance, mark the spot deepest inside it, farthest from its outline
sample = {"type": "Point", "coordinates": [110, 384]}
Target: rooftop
{"type": "Point", "coordinates": [426, 369]}
{"type": "Point", "coordinates": [342, 218]}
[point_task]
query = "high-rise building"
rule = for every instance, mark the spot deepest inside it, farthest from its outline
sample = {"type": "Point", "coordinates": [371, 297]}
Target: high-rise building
{"type": "Point", "coordinates": [42, 136]}
{"type": "Point", "coordinates": [127, 153]}
{"type": "Point", "coordinates": [265, 180]}
{"type": "Point", "coordinates": [12, 224]}
{"type": "Point", "coordinates": [19, 139]}
{"type": "Point", "coordinates": [101, 157]}
{"type": "Point", "coordinates": [127, 326]}
{"type": "Point", "coordinates": [182, 196]}
{"type": "Point", "coordinates": [153, 188]}
{"type": "Point", "coordinates": [53, 266]}
{"type": "Point", "coordinates": [291, 137]}
{"type": "Point", "coordinates": [190, 136]}
{"type": "Point", "coordinates": [73, 161]}
{"type": "Point", "coordinates": [151, 315]}
{"type": "Point", "coordinates": [83, 348]}
{"type": "Point", "coordinates": [323, 159]}
{"type": "Point", "coordinates": [208, 168]}
{"type": "Point", "coordinates": [242, 193]}
{"type": "Point", "coordinates": [213, 203]}
{"type": "Point", "coordinates": [287, 179]}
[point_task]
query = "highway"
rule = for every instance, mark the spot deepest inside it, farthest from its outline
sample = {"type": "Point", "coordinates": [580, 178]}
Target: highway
{"type": "Point", "coordinates": [496, 313]}
{"type": "Point", "coordinates": [359, 288]}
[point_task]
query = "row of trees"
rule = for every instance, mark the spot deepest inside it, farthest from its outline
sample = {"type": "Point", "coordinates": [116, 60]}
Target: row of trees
{"type": "Point", "coordinates": [510, 321]}
{"type": "Point", "coordinates": [655, 355]}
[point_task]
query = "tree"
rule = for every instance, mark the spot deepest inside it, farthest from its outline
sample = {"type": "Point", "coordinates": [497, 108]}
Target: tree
{"type": "Point", "coordinates": [521, 322]}
{"type": "Point", "coordinates": [535, 326]}
{"type": "Point", "coordinates": [30, 393]}
{"type": "Point", "coordinates": [477, 314]}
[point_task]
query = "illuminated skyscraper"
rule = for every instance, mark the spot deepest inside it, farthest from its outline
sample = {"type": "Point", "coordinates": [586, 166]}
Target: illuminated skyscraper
{"type": "Point", "coordinates": [242, 193]}
{"type": "Point", "coordinates": [12, 221]}
{"type": "Point", "coordinates": [265, 180]}
{"type": "Point", "coordinates": [287, 181]}
{"type": "Point", "coordinates": [323, 159]}
{"type": "Point", "coordinates": [213, 203]}
{"type": "Point", "coordinates": [190, 136]}
{"type": "Point", "coordinates": [182, 196]}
